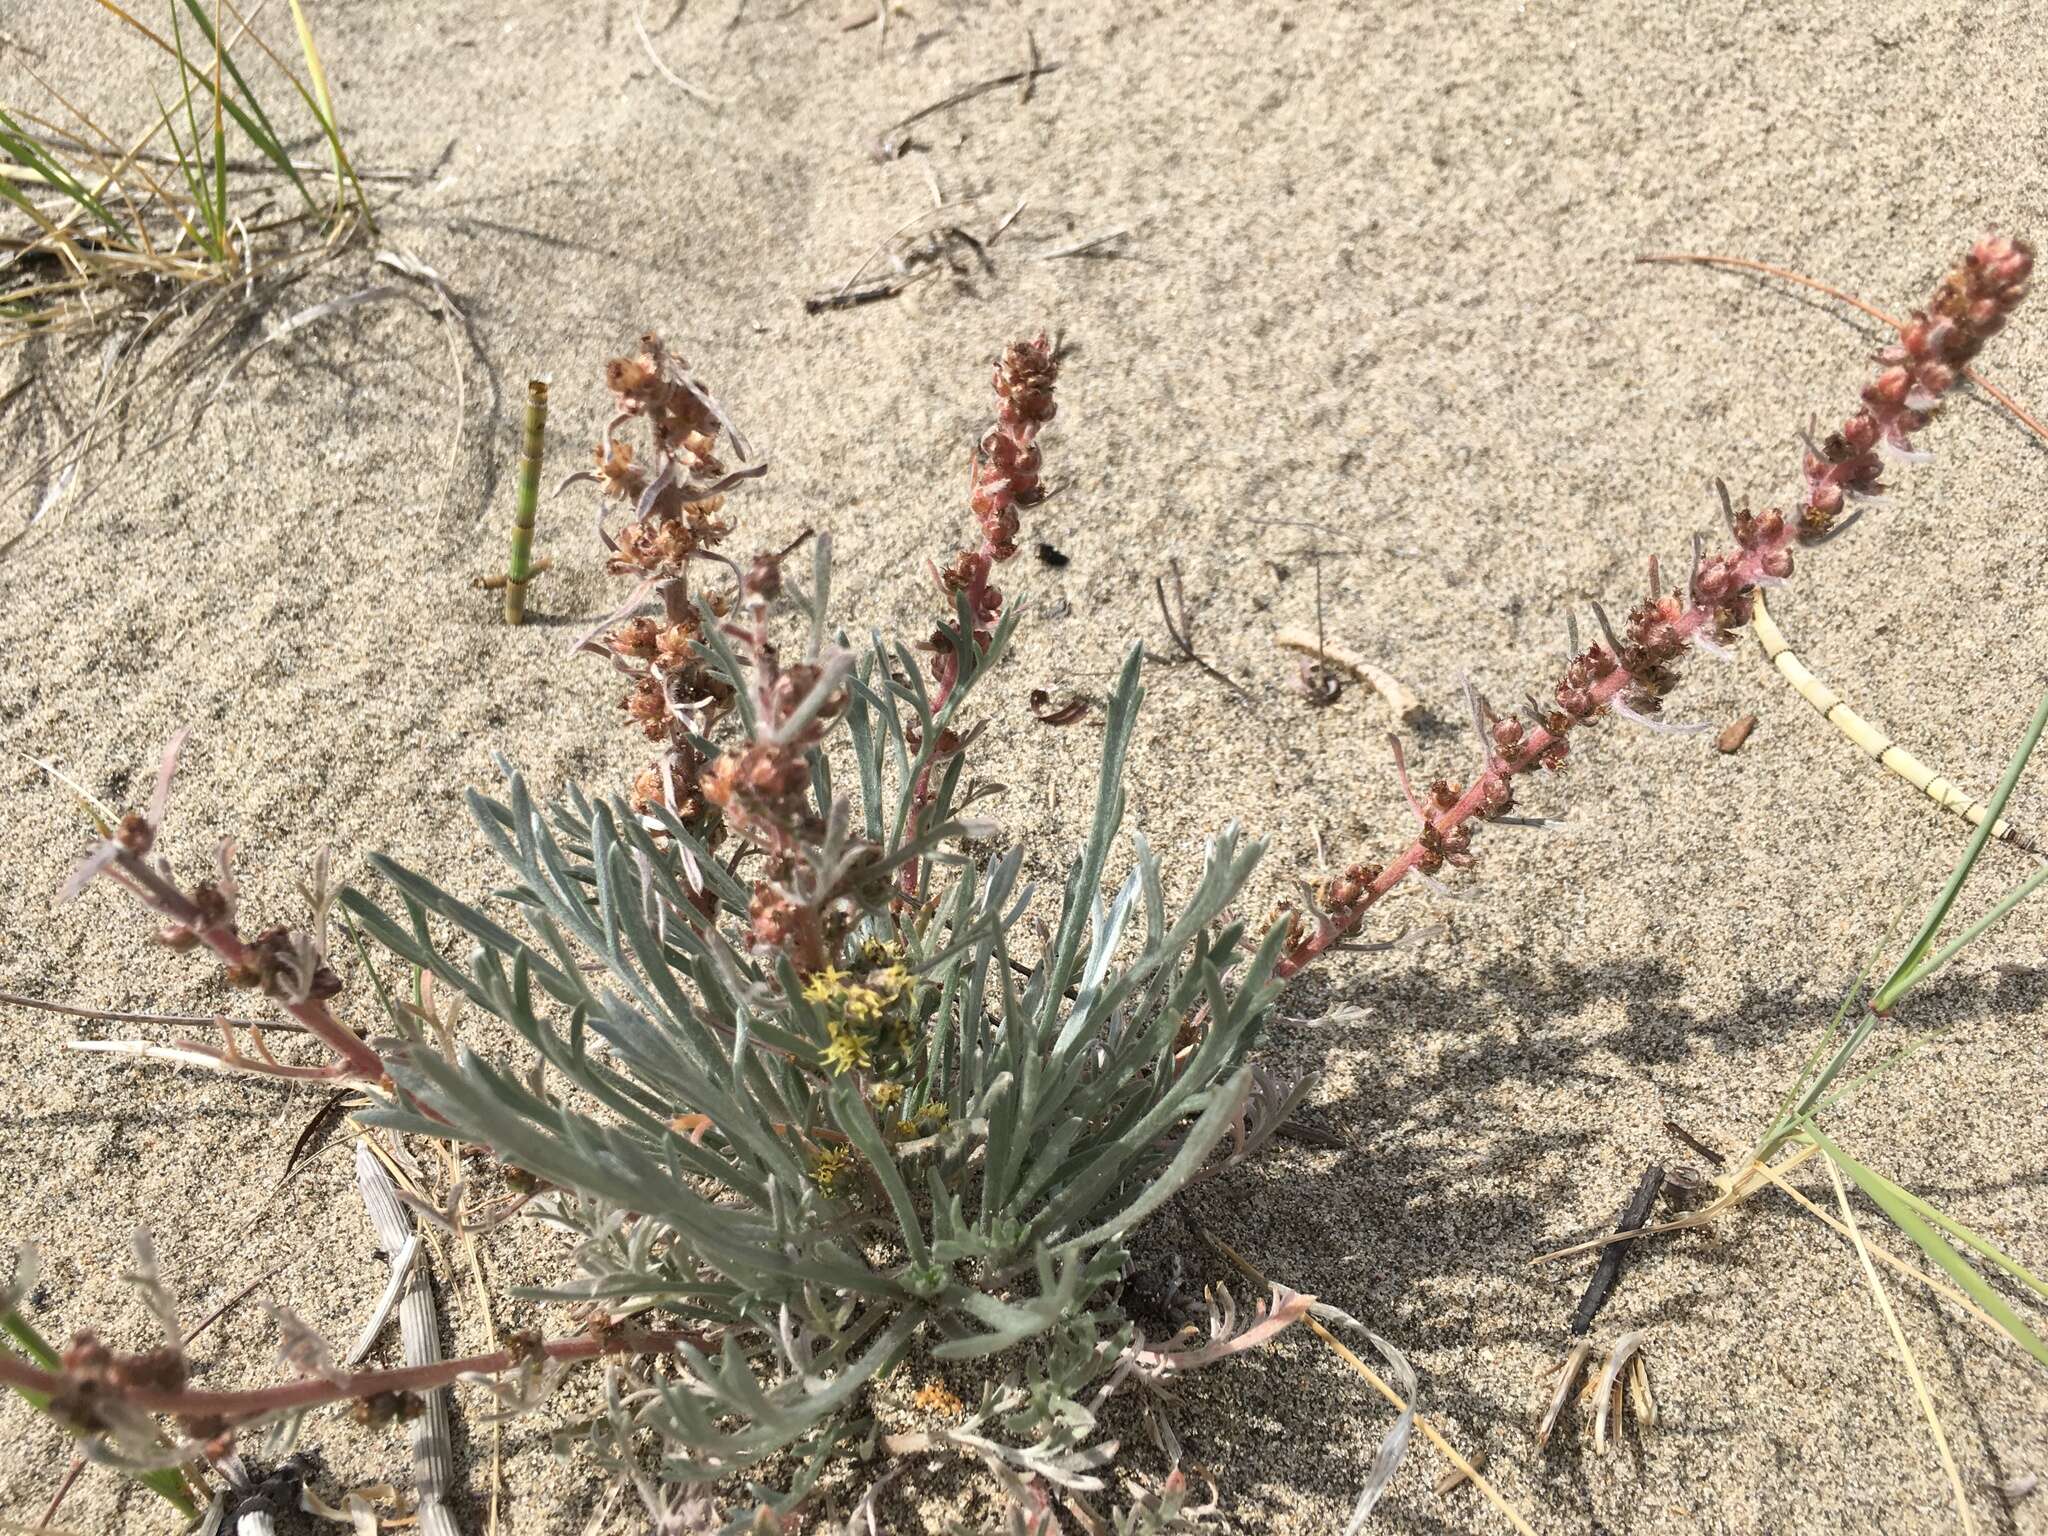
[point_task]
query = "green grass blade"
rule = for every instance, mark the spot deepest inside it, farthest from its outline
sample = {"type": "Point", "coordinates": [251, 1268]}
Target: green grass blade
{"type": "Point", "coordinates": [192, 189]}
{"type": "Point", "coordinates": [1909, 973]}
{"type": "Point", "coordinates": [20, 200]}
{"type": "Point", "coordinates": [195, 172]}
{"type": "Point", "coordinates": [1978, 929]}
{"type": "Point", "coordinates": [1902, 1210]}
{"type": "Point", "coordinates": [22, 148]}
{"type": "Point", "coordinates": [255, 122]}
{"type": "Point", "coordinates": [1983, 1246]}
{"type": "Point", "coordinates": [1842, 1009]}
{"type": "Point", "coordinates": [323, 109]}
{"type": "Point", "coordinates": [32, 1343]}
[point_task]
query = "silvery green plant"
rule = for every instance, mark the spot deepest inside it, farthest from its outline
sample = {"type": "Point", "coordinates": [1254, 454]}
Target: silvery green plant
{"type": "Point", "coordinates": [968, 1191]}
{"type": "Point", "coordinates": [843, 1095]}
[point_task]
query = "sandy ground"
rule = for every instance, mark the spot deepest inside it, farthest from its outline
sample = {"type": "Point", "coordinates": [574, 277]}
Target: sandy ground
{"type": "Point", "coordinates": [1376, 277]}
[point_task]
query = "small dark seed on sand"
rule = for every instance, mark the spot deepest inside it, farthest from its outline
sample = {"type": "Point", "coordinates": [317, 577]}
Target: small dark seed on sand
{"type": "Point", "coordinates": [1737, 732]}
{"type": "Point", "coordinates": [1456, 1475]}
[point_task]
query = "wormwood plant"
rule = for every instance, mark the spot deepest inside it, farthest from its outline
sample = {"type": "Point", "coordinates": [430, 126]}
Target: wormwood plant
{"type": "Point", "coordinates": [820, 1119]}
{"type": "Point", "coordinates": [815, 1096]}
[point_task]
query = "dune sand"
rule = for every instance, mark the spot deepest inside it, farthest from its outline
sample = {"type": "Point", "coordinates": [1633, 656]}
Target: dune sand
{"type": "Point", "coordinates": [1375, 277]}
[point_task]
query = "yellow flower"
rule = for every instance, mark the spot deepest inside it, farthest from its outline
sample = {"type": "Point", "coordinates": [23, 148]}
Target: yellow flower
{"type": "Point", "coordinates": [887, 1095]}
{"type": "Point", "coordinates": [824, 984]}
{"type": "Point", "coordinates": [833, 1168]}
{"type": "Point", "coordinates": [933, 1114]}
{"type": "Point", "coordinates": [935, 1397]}
{"type": "Point", "coordinates": [848, 1051]}
{"type": "Point", "coordinates": [863, 1005]}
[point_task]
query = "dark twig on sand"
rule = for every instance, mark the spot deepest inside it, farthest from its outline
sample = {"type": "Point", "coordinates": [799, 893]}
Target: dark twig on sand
{"type": "Point", "coordinates": [1679, 1133]}
{"type": "Point", "coordinates": [1632, 1217]}
{"type": "Point", "coordinates": [1175, 613]}
{"type": "Point", "coordinates": [887, 142]}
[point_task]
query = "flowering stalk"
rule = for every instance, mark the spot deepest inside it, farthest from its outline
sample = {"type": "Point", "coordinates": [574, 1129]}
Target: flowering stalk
{"type": "Point", "coordinates": [289, 967]}
{"type": "Point", "coordinates": [1631, 672]}
{"type": "Point", "coordinates": [761, 787]}
{"type": "Point", "coordinates": [675, 700]}
{"type": "Point", "coordinates": [1003, 478]}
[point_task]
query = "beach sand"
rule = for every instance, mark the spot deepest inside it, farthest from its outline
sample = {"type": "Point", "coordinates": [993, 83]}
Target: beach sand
{"type": "Point", "coordinates": [1375, 278]}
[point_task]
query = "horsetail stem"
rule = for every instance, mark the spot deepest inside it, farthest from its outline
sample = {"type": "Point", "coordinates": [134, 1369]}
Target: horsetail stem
{"type": "Point", "coordinates": [518, 569]}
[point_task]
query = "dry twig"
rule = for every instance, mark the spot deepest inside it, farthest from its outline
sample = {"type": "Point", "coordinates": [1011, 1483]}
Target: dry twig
{"type": "Point", "coordinates": [1178, 625]}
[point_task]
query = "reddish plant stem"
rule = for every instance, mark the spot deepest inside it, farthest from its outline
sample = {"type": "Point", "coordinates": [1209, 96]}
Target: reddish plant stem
{"type": "Point", "coordinates": [355, 1061]}
{"type": "Point", "coordinates": [1932, 355]}
{"type": "Point", "coordinates": [233, 1408]}
{"type": "Point", "coordinates": [1488, 788]}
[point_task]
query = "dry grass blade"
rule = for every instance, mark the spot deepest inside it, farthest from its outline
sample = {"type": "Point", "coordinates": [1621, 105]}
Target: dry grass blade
{"type": "Point", "coordinates": [453, 320]}
{"type": "Point", "coordinates": [1891, 1320]}
{"type": "Point", "coordinates": [1093, 245]}
{"type": "Point", "coordinates": [1939, 1286]}
{"type": "Point", "coordinates": [1429, 1431]}
{"type": "Point", "coordinates": [694, 92]}
{"type": "Point", "coordinates": [886, 140]}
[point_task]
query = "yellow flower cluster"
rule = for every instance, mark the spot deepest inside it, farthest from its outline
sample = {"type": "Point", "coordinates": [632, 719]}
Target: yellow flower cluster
{"type": "Point", "coordinates": [939, 1400]}
{"type": "Point", "coordinates": [932, 1117]}
{"type": "Point", "coordinates": [834, 1169]}
{"type": "Point", "coordinates": [870, 1020]}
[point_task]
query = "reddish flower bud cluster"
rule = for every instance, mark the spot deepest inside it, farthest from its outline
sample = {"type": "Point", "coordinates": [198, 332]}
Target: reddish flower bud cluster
{"type": "Point", "coordinates": [655, 386]}
{"type": "Point", "coordinates": [1631, 672]}
{"type": "Point", "coordinates": [1968, 309]}
{"type": "Point", "coordinates": [678, 522]}
{"type": "Point", "coordinates": [674, 699]}
{"type": "Point", "coordinates": [1004, 480]}
{"type": "Point", "coordinates": [761, 788]}
{"type": "Point", "coordinates": [282, 964]}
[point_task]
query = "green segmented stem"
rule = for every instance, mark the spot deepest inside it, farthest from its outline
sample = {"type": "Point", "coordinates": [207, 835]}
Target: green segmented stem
{"type": "Point", "coordinates": [520, 564]}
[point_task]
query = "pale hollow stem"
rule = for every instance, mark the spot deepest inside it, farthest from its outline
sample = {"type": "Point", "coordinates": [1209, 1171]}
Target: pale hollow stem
{"type": "Point", "coordinates": [518, 567]}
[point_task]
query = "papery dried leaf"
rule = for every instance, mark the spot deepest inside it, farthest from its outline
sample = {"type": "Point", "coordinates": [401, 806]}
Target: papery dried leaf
{"type": "Point", "coordinates": [1273, 1318]}
{"type": "Point", "coordinates": [301, 1348]}
{"type": "Point", "coordinates": [1561, 1390]}
{"type": "Point", "coordinates": [1047, 713]}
